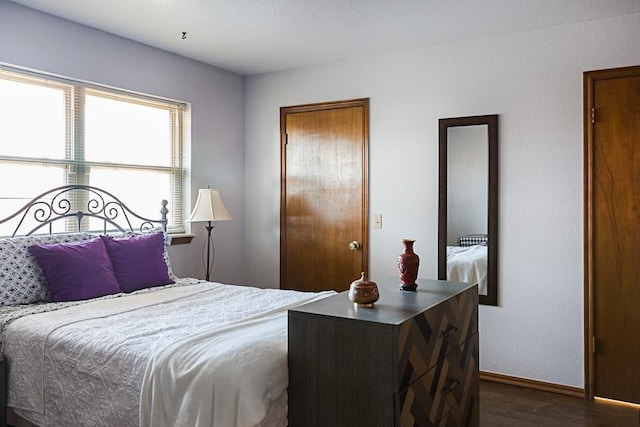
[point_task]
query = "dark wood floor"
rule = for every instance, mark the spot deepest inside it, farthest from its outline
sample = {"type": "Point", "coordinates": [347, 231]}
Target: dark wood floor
{"type": "Point", "coordinates": [506, 405]}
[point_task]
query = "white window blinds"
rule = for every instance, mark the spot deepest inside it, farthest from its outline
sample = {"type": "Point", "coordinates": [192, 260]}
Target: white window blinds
{"type": "Point", "coordinates": [56, 132]}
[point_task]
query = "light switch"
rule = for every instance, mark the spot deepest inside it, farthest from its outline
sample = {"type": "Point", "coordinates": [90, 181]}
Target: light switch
{"type": "Point", "coordinates": [377, 221]}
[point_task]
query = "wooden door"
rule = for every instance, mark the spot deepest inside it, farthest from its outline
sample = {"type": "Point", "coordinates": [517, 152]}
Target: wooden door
{"type": "Point", "coordinates": [323, 216]}
{"type": "Point", "coordinates": [613, 233]}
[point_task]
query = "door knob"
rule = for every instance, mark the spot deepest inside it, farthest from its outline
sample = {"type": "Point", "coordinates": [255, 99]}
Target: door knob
{"type": "Point", "coordinates": [354, 245]}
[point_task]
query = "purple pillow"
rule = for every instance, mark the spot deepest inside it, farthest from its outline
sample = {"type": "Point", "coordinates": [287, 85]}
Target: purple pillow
{"type": "Point", "coordinates": [77, 270]}
{"type": "Point", "coordinates": [138, 261]}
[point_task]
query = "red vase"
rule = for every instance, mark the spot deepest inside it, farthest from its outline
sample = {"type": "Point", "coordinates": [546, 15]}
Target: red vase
{"type": "Point", "coordinates": [408, 263]}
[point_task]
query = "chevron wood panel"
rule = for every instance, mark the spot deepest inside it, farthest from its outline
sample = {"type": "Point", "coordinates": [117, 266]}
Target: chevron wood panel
{"type": "Point", "coordinates": [427, 338]}
{"type": "Point", "coordinates": [467, 413]}
{"type": "Point", "coordinates": [447, 394]}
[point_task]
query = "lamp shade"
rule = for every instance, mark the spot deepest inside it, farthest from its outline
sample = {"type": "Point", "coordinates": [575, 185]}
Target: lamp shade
{"type": "Point", "coordinates": [209, 207]}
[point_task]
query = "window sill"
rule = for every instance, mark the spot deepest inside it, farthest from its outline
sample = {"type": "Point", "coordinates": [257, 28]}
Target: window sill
{"type": "Point", "coordinates": [181, 238]}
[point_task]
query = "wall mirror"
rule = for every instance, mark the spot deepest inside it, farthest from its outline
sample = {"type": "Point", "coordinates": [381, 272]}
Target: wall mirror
{"type": "Point", "coordinates": [468, 203]}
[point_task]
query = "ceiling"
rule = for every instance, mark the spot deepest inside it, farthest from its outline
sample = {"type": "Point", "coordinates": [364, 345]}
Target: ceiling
{"type": "Point", "coordinates": [258, 36]}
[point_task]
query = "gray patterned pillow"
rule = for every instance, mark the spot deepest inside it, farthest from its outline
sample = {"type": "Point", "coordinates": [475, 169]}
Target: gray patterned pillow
{"type": "Point", "coordinates": [21, 280]}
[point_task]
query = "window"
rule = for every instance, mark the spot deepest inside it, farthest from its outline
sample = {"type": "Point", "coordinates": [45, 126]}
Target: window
{"type": "Point", "coordinates": [55, 132]}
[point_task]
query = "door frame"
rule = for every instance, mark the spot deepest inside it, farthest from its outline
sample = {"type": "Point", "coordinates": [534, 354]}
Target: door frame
{"type": "Point", "coordinates": [359, 102]}
{"type": "Point", "coordinates": [589, 117]}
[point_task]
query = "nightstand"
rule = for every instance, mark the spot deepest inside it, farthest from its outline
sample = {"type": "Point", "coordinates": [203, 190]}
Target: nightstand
{"type": "Point", "coordinates": [411, 360]}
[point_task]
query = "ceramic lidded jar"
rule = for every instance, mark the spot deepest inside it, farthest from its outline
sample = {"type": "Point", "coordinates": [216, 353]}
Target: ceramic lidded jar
{"type": "Point", "coordinates": [363, 292]}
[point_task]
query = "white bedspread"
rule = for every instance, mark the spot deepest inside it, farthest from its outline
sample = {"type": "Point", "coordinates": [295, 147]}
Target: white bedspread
{"type": "Point", "coordinates": [468, 265]}
{"type": "Point", "coordinates": [240, 368]}
{"type": "Point", "coordinates": [85, 365]}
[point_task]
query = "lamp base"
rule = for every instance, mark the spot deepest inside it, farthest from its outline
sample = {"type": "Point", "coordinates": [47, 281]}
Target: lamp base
{"type": "Point", "coordinates": [210, 251]}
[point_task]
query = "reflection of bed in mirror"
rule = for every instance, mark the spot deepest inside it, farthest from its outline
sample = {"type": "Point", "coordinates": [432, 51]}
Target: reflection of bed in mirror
{"type": "Point", "coordinates": [467, 261]}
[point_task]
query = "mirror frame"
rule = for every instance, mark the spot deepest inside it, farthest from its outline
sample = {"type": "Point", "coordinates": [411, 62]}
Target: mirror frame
{"type": "Point", "coordinates": [491, 298]}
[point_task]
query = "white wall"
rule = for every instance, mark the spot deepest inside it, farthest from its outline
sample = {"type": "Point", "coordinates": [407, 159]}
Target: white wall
{"type": "Point", "coordinates": [35, 40]}
{"type": "Point", "coordinates": [533, 80]}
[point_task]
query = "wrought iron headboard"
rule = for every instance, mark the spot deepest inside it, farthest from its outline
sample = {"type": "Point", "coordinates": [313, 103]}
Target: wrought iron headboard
{"type": "Point", "coordinates": [58, 204]}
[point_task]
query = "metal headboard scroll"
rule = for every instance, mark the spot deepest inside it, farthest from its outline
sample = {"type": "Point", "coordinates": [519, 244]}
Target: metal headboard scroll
{"type": "Point", "coordinates": [57, 205]}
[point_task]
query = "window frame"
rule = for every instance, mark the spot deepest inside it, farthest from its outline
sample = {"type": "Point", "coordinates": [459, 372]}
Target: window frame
{"type": "Point", "coordinates": [75, 167]}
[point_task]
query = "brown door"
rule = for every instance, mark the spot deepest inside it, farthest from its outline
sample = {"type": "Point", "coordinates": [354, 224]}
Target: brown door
{"type": "Point", "coordinates": [323, 216]}
{"type": "Point", "coordinates": [613, 232]}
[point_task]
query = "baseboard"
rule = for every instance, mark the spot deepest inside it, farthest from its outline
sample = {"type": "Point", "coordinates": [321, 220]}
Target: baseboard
{"type": "Point", "coordinates": [533, 384]}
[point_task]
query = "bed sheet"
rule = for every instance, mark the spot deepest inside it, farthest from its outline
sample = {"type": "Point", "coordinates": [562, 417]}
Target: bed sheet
{"type": "Point", "coordinates": [468, 265]}
{"type": "Point", "coordinates": [84, 365]}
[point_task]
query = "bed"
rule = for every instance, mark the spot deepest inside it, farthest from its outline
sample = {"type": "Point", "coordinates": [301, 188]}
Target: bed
{"type": "Point", "coordinates": [97, 330]}
{"type": "Point", "coordinates": [467, 261]}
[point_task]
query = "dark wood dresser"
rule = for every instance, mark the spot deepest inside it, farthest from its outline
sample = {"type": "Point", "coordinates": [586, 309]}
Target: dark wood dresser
{"type": "Point", "coordinates": [412, 360]}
